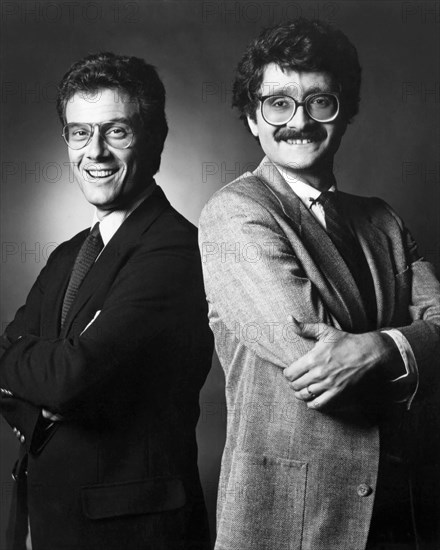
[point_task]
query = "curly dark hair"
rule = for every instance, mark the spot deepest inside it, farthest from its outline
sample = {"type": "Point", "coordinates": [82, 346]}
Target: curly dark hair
{"type": "Point", "coordinates": [131, 75]}
{"type": "Point", "coordinates": [301, 45]}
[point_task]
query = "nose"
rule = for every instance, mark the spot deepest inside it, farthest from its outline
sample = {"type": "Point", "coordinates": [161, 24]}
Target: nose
{"type": "Point", "coordinates": [300, 119]}
{"type": "Point", "coordinates": [97, 147]}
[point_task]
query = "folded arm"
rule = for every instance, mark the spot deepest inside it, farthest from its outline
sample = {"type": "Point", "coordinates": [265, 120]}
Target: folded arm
{"type": "Point", "coordinates": [61, 375]}
{"type": "Point", "coordinates": [261, 291]}
{"type": "Point", "coordinates": [255, 279]}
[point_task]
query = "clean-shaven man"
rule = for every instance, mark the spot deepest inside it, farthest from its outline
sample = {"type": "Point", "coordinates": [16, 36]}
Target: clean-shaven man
{"type": "Point", "coordinates": [326, 321]}
{"type": "Point", "coordinates": [101, 369]}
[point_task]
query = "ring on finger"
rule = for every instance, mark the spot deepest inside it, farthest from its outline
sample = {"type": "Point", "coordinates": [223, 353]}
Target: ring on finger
{"type": "Point", "coordinates": [311, 394]}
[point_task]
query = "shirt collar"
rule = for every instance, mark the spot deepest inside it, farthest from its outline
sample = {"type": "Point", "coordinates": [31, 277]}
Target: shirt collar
{"type": "Point", "coordinates": [304, 191]}
{"type": "Point", "coordinates": [113, 221]}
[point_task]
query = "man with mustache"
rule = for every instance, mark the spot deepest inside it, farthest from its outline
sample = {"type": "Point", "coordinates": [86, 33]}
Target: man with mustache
{"type": "Point", "coordinates": [101, 369]}
{"type": "Point", "coordinates": [326, 321]}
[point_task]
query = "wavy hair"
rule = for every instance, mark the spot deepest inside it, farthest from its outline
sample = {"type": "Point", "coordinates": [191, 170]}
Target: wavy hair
{"type": "Point", "coordinates": [131, 75]}
{"type": "Point", "coordinates": [300, 45]}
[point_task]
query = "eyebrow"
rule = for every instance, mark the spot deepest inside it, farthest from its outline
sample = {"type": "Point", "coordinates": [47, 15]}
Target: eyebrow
{"type": "Point", "coordinates": [313, 90]}
{"type": "Point", "coordinates": [119, 119]}
{"type": "Point", "coordinates": [116, 119]}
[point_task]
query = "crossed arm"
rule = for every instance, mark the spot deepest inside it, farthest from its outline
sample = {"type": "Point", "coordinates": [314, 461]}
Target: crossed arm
{"type": "Point", "coordinates": [68, 376]}
{"type": "Point", "coordinates": [319, 359]}
{"type": "Point", "coordinates": [339, 360]}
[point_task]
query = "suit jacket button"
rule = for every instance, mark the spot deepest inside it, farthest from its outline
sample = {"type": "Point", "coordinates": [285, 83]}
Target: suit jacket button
{"type": "Point", "coordinates": [364, 490]}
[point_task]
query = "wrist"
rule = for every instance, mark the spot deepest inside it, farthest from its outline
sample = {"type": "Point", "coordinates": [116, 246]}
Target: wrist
{"type": "Point", "coordinates": [391, 365]}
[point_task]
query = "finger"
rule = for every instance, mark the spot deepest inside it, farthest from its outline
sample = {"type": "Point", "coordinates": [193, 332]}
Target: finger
{"type": "Point", "coordinates": [311, 391]}
{"type": "Point", "coordinates": [297, 369]}
{"type": "Point", "coordinates": [302, 382]}
{"type": "Point", "coordinates": [305, 394]}
{"type": "Point", "coordinates": [304, 372]}
{"type": "Point", "coordinates": [321, 401]}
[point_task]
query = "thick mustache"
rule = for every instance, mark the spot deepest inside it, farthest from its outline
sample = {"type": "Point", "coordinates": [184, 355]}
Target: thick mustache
{"type": "Point", "coordinates": [283, 134]}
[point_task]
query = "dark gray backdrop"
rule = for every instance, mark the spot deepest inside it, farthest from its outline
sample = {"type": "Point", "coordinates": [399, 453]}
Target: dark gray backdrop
{"type": "Point", "coordinates": [390, 150]}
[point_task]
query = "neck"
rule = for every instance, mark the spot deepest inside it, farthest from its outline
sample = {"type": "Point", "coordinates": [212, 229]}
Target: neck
{"type": "Point", "coordinates": [319, 179]}
{"type": "Point", "coordinates": [126, 203]}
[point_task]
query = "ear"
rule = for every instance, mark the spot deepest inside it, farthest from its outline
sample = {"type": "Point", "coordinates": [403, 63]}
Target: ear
{"type": "Point", "coordinates": [253, 126]}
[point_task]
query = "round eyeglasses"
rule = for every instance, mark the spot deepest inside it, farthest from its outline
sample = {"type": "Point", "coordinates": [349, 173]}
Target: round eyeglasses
{"type": "Point", "coordinates": [116, 134]}
{"type": "Point", "coordinates": [279, 109]}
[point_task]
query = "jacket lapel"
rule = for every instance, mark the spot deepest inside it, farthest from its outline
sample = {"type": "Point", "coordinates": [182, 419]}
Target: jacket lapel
{"type": "Point", "coordinates": [321, 260]}
{"type": "Point", "coordinates": [117, 250]}
{"type": "Point", "coordinates": [375, 245]}
{"type": "Point", "coordinates": [59, 277]}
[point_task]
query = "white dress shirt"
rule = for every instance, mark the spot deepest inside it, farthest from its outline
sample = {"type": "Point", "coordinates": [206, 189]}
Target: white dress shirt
{"type": "Point", "coordinates": [112, 221]}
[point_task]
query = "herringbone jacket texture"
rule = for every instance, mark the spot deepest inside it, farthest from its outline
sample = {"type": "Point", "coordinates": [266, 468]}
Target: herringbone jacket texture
{"type": "Point", "coordinates": [293, 478]}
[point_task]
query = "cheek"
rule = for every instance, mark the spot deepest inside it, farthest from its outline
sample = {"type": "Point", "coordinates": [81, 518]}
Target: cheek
{"type": "Point", "coordinates": [266, 138]}
{"type": "Point", "coordinates": [74, 157]}
{"type": "Point", "coordinates": [335, 132]}
{"type": "Point", "coordinates": [130, 163]}
{"type": "Point", "coordinates": [126, 160]}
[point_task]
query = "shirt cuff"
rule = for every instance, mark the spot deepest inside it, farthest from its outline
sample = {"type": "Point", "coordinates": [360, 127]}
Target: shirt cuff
{"type": "Point", "coordinates": [409, 362]}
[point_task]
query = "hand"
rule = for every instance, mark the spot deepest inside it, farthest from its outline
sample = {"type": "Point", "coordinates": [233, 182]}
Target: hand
{"type": "Point", "coordinates": [51, 416]}
{"type": "Point", "coordinates": [338, 360]}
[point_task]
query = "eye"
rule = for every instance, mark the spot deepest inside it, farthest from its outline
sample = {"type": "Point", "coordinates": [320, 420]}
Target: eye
{"type": "Point", "coordinates": [116, 132]}
{"type": "Point", "coordinates": [78, 132]}
{"type": "Point", "coordinates": [320, 101]}
{"type": "Point", "coordinates": [279, 102]}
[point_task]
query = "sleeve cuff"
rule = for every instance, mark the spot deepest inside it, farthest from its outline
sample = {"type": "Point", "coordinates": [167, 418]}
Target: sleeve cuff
{"type": "Point", "coordinates": [409, 362]}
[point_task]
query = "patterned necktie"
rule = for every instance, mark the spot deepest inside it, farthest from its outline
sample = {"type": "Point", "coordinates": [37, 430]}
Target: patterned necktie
{"type": "Point", "coordinates": [85, 259]}
{"type": "Point", "coordinates": [343, 238]}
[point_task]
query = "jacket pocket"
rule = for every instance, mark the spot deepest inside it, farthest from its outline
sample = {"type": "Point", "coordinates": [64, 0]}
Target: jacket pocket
{"type": "Point", "coordinates": [263, 504]}
{"type": "Point", "coordinates": [145, 496]}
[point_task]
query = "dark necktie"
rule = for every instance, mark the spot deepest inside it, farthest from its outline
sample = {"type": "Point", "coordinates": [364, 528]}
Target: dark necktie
{"type": "Point", "coordinates": [348, 246]}
{"type": "Point", "coordinates": [85, 259]}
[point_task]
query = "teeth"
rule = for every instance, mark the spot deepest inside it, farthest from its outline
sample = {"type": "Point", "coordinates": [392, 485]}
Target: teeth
{"type": "Point", "coordinates": [298, 141]}
{"type": "Point", "coordinates": [100, 173]}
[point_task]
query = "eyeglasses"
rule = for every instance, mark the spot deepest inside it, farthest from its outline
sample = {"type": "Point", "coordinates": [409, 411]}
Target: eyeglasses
{"type": "Point", "coordinates": [116, 134]}
{"type": "Point", "coordinates": [279, 109]}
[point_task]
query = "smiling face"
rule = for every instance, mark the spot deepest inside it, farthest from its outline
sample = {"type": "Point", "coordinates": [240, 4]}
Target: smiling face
{"type": "Point", "coordinates": [110, 178]}
{"type": "Point", "coordinates": [302, 146]}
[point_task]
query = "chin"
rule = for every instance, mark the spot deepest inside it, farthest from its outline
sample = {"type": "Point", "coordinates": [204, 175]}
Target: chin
{"type": "Point", "coordinates": [299, 164]}
{"type": "Point", "coordinates": [98, 200]}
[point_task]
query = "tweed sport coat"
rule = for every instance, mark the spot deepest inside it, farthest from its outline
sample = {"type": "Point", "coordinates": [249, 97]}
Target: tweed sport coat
{"type": "Point", "coordinates": [294, 478]}
{"type": "Point", "coordinates": [120, 471]}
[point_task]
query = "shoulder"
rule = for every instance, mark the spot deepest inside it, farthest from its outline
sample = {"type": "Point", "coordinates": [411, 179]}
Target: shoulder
{"type": "Point", "coordinates": [158, 234]}
{"type": "Point", "coordinates": [375, 211]}
{"type": "Point", "coordinates": [246, 194]}
{"type": "Point", "coordinates": [177, 221]}
{"type": "Point", "coordinates": [373, 207]}
{"type": "Point", "coordinates": [171, 228]}
{"type": "Point", "coordinates": [67, 248]}
{"type": "Point", "coordinates": [155, 223]}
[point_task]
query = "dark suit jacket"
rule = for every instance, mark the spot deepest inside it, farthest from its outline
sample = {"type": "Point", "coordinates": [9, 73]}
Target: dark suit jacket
{"type": "Point", "coordinates": [120, 471]}
{"type": "Point", "coordinates": [293, 477]}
